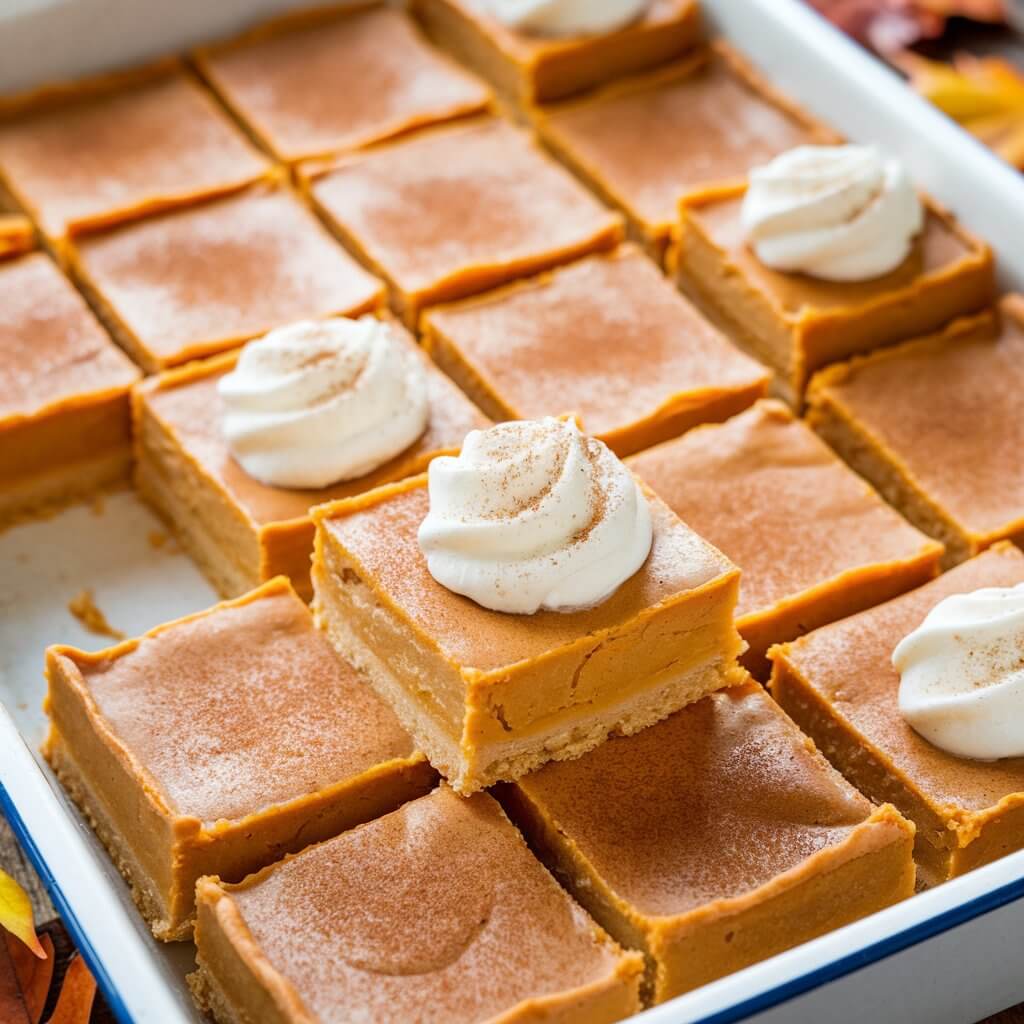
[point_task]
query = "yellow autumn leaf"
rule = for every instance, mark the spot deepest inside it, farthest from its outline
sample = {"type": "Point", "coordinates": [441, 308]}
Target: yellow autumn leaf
{"type": "Point", "coordinates": [16, 914]}
{"type": "Point", "coordinates": [984, 94]}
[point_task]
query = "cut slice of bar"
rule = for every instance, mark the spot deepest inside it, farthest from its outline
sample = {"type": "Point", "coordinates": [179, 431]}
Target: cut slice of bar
{"type": "Point", "coordinates": [217, 743]}
{"type": "Point", "coordinates": [435, 913]}
{"type": "Point", "coordinates": [797, 323]}
{"type": "Point", "coordinates": [839, 685]}
{"type": "Point", "coordinates": [489, 695]}
{"type": "Point", "coordinates": [606, 339]}
{"type": "Point", "coordinates": [526, 68]}
{"type": "Point", "coordinates": [320, 82]}
{"type": "Point", "coordinates": [454, 210]}
{"type": "Point", "coordinates": [936, 426]}
{"type": "Point", "coordinates": [714, 839]}
{"type": "Point", "coordinates": [812, 540]}
{"type": "Point", "coordinates": [65, 426]}
{"type": "Point", "coordinates": [238, 530]}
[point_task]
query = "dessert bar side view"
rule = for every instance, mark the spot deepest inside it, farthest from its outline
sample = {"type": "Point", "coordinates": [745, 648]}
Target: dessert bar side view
{"type": "Point", "coordinates": [610, 474]}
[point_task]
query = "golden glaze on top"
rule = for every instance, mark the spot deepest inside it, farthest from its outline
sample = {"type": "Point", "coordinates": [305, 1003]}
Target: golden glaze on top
{"type": "Point", "coordinates": [950, 409]}
{"type": "Point", "coordinates": [935, 249]}
{"type": "Point", "coordinates": [436, 912]}
{"type": "Point", "coordinates": [653, 140]}
{"type": "Point", "coordinates": [382, 538]}
{"type": "Point", "coordinates": [849, 663]}
{"type": "Point", "coordinates": [464, 197]}
{"type": "Point", "coordinates": [198, 280]}
{"type": "Point", "coordinates": [712, 803]}
{"type": "Point", "coordinates": [606, 338]}
{"type": "Point", "coordinates": [192, 410]}
{"type": "Point", "coordinates": [774, 498]}
{"type": "Point", "coordinates": [113, 152]}
{"type": "Point", "coordinates": [51, 345]}
{"type": "Point", "coordinates": [241, 708]}
{"type": "Point", "coordinates": [313, 86]}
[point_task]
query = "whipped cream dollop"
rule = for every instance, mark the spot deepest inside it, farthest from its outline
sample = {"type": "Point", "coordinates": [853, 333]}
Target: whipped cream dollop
{"type": "Point", "coordinates": [962, 674]}
{"type": "Point", "coordinates": [533, 515]}
{"type": "Point", "coordinates": [315, 403]}
{"type": "Point", "coordinates": [567, 17]}
{"type": "Point", "coordinates": [840, 213]}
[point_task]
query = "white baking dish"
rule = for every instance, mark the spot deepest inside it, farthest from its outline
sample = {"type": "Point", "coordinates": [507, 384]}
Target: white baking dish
{"type": "Point", "coordinates": [952, 954]}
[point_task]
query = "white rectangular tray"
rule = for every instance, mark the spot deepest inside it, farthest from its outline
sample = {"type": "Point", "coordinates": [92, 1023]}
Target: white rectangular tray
{"type": "Point", "coordinates": [951, 954]}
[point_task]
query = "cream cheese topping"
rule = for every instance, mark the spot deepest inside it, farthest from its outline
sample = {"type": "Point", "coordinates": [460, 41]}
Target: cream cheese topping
{"type": "Point", "coordinates": [840, 213]}
{"type": "Point", "coordinates": [318, 402]}
{"type": "Point", "coordinates": [962, 674]}
{"type": "Point", "coordinates": [534, 515]}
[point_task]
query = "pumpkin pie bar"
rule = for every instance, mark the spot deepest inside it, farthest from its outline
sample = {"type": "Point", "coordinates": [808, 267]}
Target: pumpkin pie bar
{"type": "Point", "coordinates": [95, 153]}
{"type": "Point", "coordinates": [527, 68]}
{"type": "Point", "coordinates": [935, 424]}
{"type": "Point", "coordinates": [455, 210]}
{"type": "Point", "coordinates": [197, 281]}
{"type": "Point", "coordinates": [607, 339]}
{"type": "Point", "coordinates": [839, 685]}
{"type": "Point", "coordinates": [64, 393]}
{"type": "Point", "coordinates": [813, 541]}
{"type": "Point", "coordinates": [323, 82]}
{"type": "Point", "coordinates": [796, 323]}
{"type": "Point", "coordinates": [490, 695]}
{"type": "Point", "coordinates": [435, 913]}
{"type": "Point", "coordinates": [238, 530]}
{"type": "Point", "coordinates": [220, 742]}
{"type": "Point", "coordinates": [714, 839]}
{"type": "Point", "coordinates": [644, 143]}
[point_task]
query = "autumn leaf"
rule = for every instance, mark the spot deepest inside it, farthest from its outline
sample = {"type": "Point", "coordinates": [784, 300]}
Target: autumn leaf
{"type": "Point", "coordinates": [34, 976]}
{"type": "Point", "coordinates": [891, 25]}
{"type": "Point", "coordinates": [16, 914]}
{"type": "Point", "coordinates": [984, 94]}
{"type": "Point", "coordinates": [74, 1004]}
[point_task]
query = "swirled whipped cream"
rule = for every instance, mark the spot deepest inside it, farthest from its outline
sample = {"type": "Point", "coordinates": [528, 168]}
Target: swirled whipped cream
{"type": "Point", "coordinates": [534, 515]}
{"type": "Point", "coordinates": [840, 213]}
{"type": "Point", "coordinates": [315, 403]}
{"type": "Point", "coordinates": [962, 674]}
{"type": "Point", "coordinates": [567, 17]}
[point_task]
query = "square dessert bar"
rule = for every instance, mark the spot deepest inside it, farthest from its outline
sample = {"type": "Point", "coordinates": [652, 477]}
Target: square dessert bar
{"type": "Point", "coordinates": [455, 210]}
{"type": "Point", "coordinates": [607, 339]}
{"type": "Point", "coordinates": [436, 913]}
{"type": "Point", "coordinates": [935, 424]}
{"type": "Point", "coordinates": [238, 530]}
{"type": "Point", "coordinates": [64, 393]}
{"type": "Point", "coordinates": [646, 142]}
{"type": "Point", "coordinates": [796, 323]}
{"type": "Point", "coordinates": [839, 685]}
{"type": "Point", "coordinates": [527, 68]}
{"type": "Point", "coordinates": [95, 153]}
{"type": "Point", "coordinates": [322, 82]}
{"type": "Point", "coordinates": [489, 695]}
{"type": "Point", "coordinates": [812, 540]}
{"type": "Point", "coordinates": [713, 840]}
{"type": "Point", "coordinates": [220, 742]}
{"type": "Point", "coordinates": [193, 282]}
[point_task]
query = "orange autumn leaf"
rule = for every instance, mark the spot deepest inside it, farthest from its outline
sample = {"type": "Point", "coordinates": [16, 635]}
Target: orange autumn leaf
{"type": "Point", "coordinates": [984, 94]}
{"type": "Point", "coordinates": [16, 914]}
{"type": "Point", "coordinates": [34, 976]}
{"type": "Point", "coordinates": [74, 1004]}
